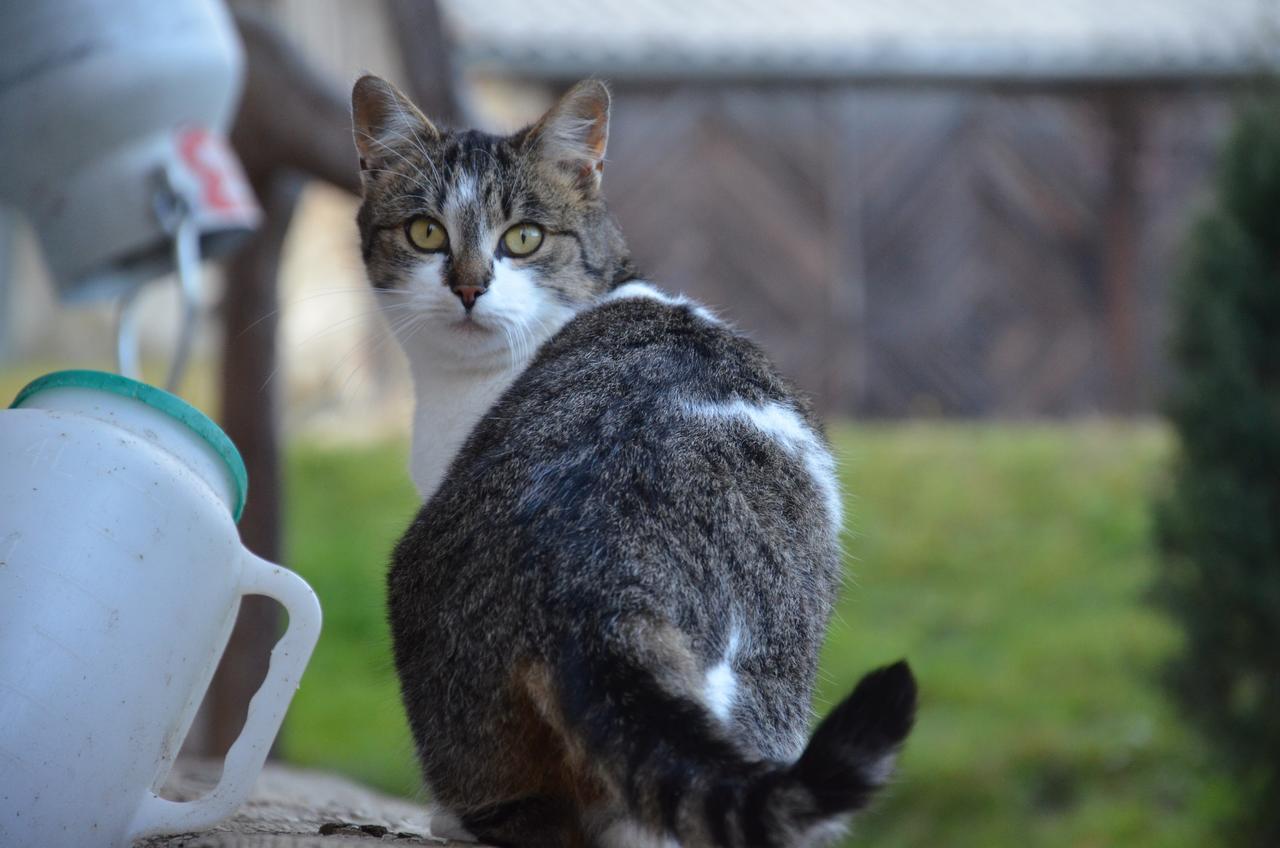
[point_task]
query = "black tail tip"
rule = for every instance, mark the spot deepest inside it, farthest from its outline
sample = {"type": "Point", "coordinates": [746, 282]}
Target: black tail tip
{"type": "Point", "coordinates": [885, 700]}
{"type": "Point", "coordinates": [851, 754]}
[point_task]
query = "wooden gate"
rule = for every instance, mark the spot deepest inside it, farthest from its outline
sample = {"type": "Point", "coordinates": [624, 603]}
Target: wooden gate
{"type": "Point", "coordinates": [916, 251]}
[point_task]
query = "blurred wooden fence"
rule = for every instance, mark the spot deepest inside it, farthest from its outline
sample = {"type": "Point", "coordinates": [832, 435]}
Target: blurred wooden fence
{"type": "Point", "coordinates": [905, 251]}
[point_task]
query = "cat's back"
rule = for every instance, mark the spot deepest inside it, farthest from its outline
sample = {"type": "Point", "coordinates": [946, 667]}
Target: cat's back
{"type": "Point", "coordinates": [648, 446]}
{"type": "Point", "coordinates": [650, 464]}
{"type": "Point", "coordinates": [641, 367]}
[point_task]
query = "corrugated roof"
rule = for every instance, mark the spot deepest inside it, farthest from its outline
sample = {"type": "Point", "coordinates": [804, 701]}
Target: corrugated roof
{"type": "Point", "coordinates": [977, 39]}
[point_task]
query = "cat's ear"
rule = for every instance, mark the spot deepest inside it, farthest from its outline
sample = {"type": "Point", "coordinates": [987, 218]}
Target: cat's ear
{"type": "Point", "coordinates": [574, 132]}
{"type": "Point", "coordinates": [384, 120]}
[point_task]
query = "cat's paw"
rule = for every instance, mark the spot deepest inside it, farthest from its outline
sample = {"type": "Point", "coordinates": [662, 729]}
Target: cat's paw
{"type": "Point", "coordinates": [445, 825]}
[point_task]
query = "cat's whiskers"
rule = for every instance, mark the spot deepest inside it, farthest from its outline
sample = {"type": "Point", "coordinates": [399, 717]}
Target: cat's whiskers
{"type": "Point", "coordinates": [382, 309]}
{"type": "Point", "coordinates": [527, 342]}
{"type": "Point", "coordinates": [521, 340]}
{"type": "Point", "coordinates": [410, 196]}
{"type": "Point", "coordinates": [334, 327]}
{"type": "Point", "coordinates": [370, 345]}
{"type": "Point", "coordinates": [270, 313]}
{"type": "Point", "coordinates": [410, 331]}
{"type": "Point", "coordinates": [508, 330]}
{"type": "Point", "coordinates": [387, 131]}
{"type": "Point", "coordinates": [520, 345]}
{"type": "Point", "coordinates": [417, 147]}
{"type": "Point", "coordinates": [511, 331]}
{"type": "Point", "coordinates": [420, 183]}
{"type": "Point", "coordinates": [545, 327]}
{"type": "Point", "coordinates": [414, 141]}
{"type": "Point", "coordinates": [377, 346]}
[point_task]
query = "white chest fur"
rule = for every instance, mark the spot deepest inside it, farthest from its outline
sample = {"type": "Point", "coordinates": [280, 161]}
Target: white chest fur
{"type": "Point", "coordinates": [449, 403]}
{"type": "Point", "coordinates": [459, 374]}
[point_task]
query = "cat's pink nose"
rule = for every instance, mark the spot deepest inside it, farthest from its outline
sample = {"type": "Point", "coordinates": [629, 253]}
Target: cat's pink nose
{"type": "Point", "coordinates": [468, 295]}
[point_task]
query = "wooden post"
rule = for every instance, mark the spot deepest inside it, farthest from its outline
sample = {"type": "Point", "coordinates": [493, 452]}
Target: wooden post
{"type": "Point", "coordinates": [291, 125]}
{"type": "Point", "coordinates": [251, 417]}
{"type": "Point", "coordinates": [7, 243]}
{"type": "Point", "coordinates": [1120, 244]}
{"type": "Point", "coordinates": [424, 49]}
{"type": "Point", "coordinates": [846, 350]}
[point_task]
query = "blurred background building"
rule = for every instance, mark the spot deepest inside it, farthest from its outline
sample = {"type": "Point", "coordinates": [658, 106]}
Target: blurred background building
{"type": "Point", "coordinates": [919, 208]}
{"type": "Point", "coordinates": [941, 208]}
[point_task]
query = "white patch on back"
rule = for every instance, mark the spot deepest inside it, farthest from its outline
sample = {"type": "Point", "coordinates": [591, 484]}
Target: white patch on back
{"type": "Point", "coordinates": [778, 421]}
{"type": "Point", "coordinates": [784, 425]}
{"type": "Point", "coordinates": [645, 290]}
{"type": "Point", "coordinates": [721, 686]}
{"type": "Point", "coordinates": [637, 288]}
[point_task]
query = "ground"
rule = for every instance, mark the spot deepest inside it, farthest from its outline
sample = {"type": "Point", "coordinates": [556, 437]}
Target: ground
{"type": "Point", "coordinates": [1009, 563]}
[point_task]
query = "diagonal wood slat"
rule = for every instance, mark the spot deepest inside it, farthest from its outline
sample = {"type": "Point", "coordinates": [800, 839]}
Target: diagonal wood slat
{"type": "Point", "coordinates": [912, 250]}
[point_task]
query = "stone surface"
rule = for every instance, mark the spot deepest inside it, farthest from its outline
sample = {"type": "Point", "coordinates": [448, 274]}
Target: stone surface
{"type": "Point", "coordinates": [299, 808]}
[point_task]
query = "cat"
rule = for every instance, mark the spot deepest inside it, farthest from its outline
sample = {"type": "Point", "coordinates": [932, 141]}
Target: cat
{"type": "Point", "coordinates": [607, 614]}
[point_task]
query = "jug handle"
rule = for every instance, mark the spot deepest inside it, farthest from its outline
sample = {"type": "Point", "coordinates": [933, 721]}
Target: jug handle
{"type": "Point", "coordinates": [266, 709]}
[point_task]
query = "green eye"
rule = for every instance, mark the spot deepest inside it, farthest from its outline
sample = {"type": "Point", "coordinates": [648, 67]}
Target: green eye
{"type": "Point", "coordinates": [522, 239]}
{"type": "Point", "coordinates": [426, 234]}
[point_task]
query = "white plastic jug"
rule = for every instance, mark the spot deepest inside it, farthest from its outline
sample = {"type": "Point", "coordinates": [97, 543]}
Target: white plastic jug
{"type": "Point", "coordinates": [111, 110]}
{"type": "Point", "coordinates": [121, 573]}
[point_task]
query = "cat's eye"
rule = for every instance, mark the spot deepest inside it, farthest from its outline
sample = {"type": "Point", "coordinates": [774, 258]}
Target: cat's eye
{"type": "Point", "coordinates": [426, 234]}
{"type": "Point", "coordinates": [522, 239]}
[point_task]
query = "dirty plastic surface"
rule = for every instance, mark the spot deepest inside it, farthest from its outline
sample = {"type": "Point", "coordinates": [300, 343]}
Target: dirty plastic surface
{"type": "Point", "coordinates": [121, 573]}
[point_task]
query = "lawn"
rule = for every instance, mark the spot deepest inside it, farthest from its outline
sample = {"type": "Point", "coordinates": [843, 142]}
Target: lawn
{"type": "Point", "coordinates": [1009, 563]}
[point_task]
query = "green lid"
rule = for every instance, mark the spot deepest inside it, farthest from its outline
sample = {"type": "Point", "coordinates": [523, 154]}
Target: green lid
{"type": "Point", "coordinates": [169, 404]}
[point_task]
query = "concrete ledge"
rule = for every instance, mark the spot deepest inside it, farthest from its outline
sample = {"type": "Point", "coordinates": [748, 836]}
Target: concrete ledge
{"type": "Point", "coordinates": [300, 808]}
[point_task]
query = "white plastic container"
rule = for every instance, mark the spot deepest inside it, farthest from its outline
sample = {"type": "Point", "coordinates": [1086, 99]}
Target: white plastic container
{"type": "Point", "coordinates": [109, 109]}
{"type": "Point", "coordinates": [121, 573]}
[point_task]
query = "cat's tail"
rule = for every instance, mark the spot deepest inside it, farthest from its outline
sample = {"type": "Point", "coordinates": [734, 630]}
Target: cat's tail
{"type": "Point", "coordinates": [681, 776]}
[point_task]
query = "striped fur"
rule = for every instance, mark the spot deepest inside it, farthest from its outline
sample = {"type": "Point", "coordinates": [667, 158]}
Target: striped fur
{"type": "Point", "coordinates": [607, 614]}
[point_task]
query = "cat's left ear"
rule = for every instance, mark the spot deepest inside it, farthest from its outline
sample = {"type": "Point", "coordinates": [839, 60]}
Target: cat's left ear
{"type": "Point", "coordinates": [574, 132]}
{"type": "Point", "coordinates": [384, 121]}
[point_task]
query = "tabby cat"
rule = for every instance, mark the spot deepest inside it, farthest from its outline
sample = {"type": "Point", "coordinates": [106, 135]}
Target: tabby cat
{"type": "Point", "coordinates": [607, 615]}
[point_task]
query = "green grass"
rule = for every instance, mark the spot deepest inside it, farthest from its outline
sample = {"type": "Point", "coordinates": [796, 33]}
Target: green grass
{"type": "Point", "coordinates": [346, 508]}
{"type": "Point", "coordinates": [1008, 563]}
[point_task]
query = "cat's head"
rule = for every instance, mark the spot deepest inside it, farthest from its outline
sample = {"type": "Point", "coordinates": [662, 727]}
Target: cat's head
{"type": "Point", "coordinates": [482, 246]}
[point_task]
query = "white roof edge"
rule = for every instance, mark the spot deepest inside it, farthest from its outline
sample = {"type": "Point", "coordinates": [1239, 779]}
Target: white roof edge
{"type": "Point", "coordinates": [852, 68]}
{"type": "Point", "coordinates": [1015, 40]}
